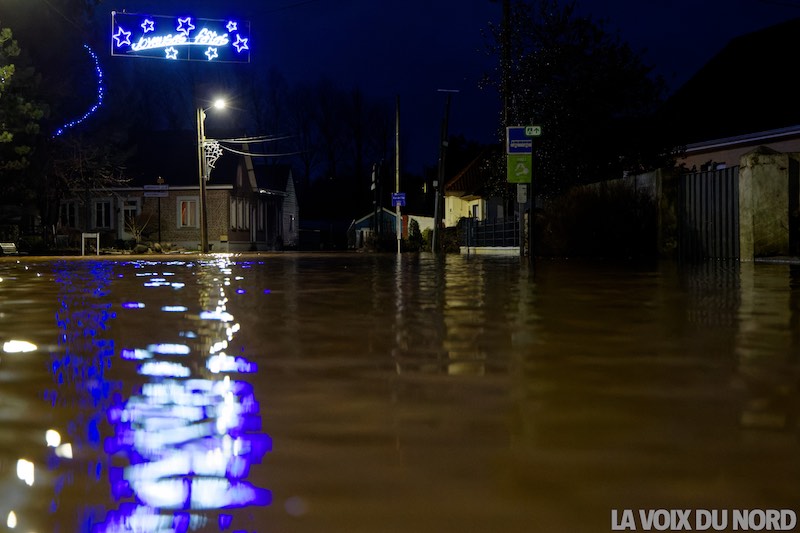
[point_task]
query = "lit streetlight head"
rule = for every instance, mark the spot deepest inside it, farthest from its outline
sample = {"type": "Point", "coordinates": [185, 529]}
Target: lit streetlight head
{"type": "Point", "coordinates": [219, 103]}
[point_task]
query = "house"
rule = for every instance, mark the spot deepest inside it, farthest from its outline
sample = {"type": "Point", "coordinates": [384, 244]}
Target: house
{"type": "Point", "coordinates": [383, 225]}
{"type": "Point", "coordinates": [369, 230]}
{"type": "Point", "coordinates": [250, 203]}
{"type": "Point", "coordinates": [741, 99]}
{"type": "Point", "coordinates": [467, 195]}
{"type": "Point", "coordinates": [727, 152]}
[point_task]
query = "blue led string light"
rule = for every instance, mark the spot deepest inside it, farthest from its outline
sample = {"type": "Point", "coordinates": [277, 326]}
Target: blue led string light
{"type": "Point", "coordinates": [96, 105]}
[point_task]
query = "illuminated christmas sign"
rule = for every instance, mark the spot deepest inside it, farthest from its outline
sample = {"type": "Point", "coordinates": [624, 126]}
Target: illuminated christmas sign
{"type": "Point", "coordinates": [184, 38]}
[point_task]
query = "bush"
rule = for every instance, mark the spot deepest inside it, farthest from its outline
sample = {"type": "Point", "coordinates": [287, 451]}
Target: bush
{"type": "Point", "coordinates": [415, 241]}
{"type": "Point", "coordinates": [609, 220]}
{"type": "Point", "coordinates": [427, 238]}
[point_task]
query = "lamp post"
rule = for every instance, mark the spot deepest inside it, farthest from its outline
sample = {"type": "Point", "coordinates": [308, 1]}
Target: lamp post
{"type": "Point", "coordinates": [159, 181]}
{"type": "Point", "coordinates": [203, 171]}
{"type": "Point", "coordinates": [438, 185]}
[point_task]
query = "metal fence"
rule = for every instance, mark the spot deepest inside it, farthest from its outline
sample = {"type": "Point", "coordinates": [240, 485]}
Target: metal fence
{"type": "Point", "coordinates": [708, 215]}
{"type": "Point", "coordinates": [485, 233]}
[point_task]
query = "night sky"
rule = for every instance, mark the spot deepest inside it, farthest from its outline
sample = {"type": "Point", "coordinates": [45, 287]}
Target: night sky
{"type": "Point", "coordinates": [411, 48]}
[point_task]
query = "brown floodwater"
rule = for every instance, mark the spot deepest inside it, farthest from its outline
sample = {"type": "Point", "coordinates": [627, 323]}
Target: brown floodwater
{"type": "Point", "coordinates": [365, 393]}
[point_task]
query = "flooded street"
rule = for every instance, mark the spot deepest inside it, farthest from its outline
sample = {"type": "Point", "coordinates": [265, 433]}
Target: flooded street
{"type": "Point", "coordinates": [362, 393]}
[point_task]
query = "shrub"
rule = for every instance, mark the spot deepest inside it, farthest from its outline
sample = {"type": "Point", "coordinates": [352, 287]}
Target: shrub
{"type": "Point", "coordinates": [609, 220]}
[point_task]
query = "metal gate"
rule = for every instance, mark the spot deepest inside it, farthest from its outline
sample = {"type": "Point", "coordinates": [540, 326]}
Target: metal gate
{"type": "Point", "coordinates": [484, 233]}
{"type": "Point", "coordinates": [708, 215]}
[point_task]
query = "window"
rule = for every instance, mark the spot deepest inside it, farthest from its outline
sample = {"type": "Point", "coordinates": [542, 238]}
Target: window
{"type": "Point", "coordinates": [68, 214]}
{"type": "Point", "coordinates": [102, 214]}
{"type": "Point", "coordinates": [188, 215]}
{"type": "Point", "coordinates": [239, 214]}
{"type": "Point", "coordinates": [130, 210]}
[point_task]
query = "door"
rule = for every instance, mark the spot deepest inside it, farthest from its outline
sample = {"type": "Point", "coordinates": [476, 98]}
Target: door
{"type": "Point", "coordinates": [129, 224]}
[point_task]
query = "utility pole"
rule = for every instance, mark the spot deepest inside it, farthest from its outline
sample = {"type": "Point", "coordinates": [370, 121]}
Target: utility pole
{"type": "Point", "coordinates": [439, 183]}
{"type": "Point", "coordinates": [397, 173]}
{"type": "Point", "coordinates": [506, 52]}
{"type": "Point", "coordinates": [201, 162]}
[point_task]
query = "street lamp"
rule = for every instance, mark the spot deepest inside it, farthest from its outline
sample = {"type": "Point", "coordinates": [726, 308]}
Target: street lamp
{"type": "Point", "coordinates": [160, 182]}
{"type": "Point", "coordinates": [203, 170]}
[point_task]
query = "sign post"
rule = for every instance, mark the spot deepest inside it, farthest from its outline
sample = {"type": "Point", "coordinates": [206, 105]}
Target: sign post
{"type": "Point", "coordinates": [519, 170]}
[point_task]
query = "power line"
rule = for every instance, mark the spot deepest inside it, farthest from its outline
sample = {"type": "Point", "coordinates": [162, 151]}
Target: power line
{"type": "Point", "coordinates": [239, 152]}
{"type": "Point", "coordinates": [260, 139]}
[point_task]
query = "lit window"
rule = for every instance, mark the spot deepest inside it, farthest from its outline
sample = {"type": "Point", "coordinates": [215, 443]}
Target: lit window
{"type": "Point", "coordinates": [187, 213]}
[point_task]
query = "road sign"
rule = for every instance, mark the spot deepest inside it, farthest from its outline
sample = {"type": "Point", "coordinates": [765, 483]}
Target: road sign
{"type": "Point", "coordinates": [522, 193]}
{"type": "Point", "coordinates": [533, 131]}
{"type": "Point", "coordinates": [517, 142]}
{"type": "Point", "coordinates": [519, 168]}
{"type": "Point", "coordinates": [156, 191]}
{"type": "Point", "coordinates": [398, 198]}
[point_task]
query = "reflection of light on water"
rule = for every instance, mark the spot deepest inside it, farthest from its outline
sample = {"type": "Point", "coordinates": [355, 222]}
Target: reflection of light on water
{"type": "Point", "coordinates": [226, 363]}
{"type": "Point", "coordinates": [136, 354]}
{"type": "Point", "coordinates": [25, 471]}
{"type": "Point", "coordinates": [169, 349]}
{"type": "Point", "coordinates": [52, 438]}
{"type": "Point", "coordinates": [216, 315]}
{"type": "Point", "coordinates": [164, 368]}
{"type": "Point", "coordinates": [14, 346]}
{"type": "Point", "coordinates": [188, 442]}
{"type": "Point", "coordinates": [64, 451]}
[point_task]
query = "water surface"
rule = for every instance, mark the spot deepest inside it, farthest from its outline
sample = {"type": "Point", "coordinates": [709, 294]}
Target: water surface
{"type": "Point", "coordinates": [354, 392]}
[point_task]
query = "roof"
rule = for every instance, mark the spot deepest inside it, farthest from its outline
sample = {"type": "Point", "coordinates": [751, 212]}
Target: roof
{"type": "Point", "coordinates": [271, 177]}
{"type": "Point", "coordinates": [364, 221]}
{"type": "Point", "coordinates": [759, 137]}
{"type": "Point", "coordinates": [745, 88]}
{"type": "Point", "coordinates": [471, 180]}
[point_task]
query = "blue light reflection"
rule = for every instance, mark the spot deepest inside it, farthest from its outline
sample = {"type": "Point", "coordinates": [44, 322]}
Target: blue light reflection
{"type": "Point", "coordinates": [178, 449]}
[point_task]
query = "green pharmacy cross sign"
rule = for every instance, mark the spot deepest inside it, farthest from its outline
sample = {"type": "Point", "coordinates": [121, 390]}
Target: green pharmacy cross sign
{"type": "Point", "coordinates": [180, 38]}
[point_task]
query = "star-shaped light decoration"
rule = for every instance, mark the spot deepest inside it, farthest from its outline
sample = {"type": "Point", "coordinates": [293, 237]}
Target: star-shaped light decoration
{"type": "Point", "coordinates": [172, 52]}
{"type": "Point", "coordinates": [148, 25]}
{"type": "Point", "coordinates": [232, 26]}
{"type": "Point", "coordinates": [240, 44]}
{"type": "Point", "coordinates": [185, 26]}
{"type": "Point", "coordinates": [122, 37]}
{"type": "Point", "coordinates": [211, 53]}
